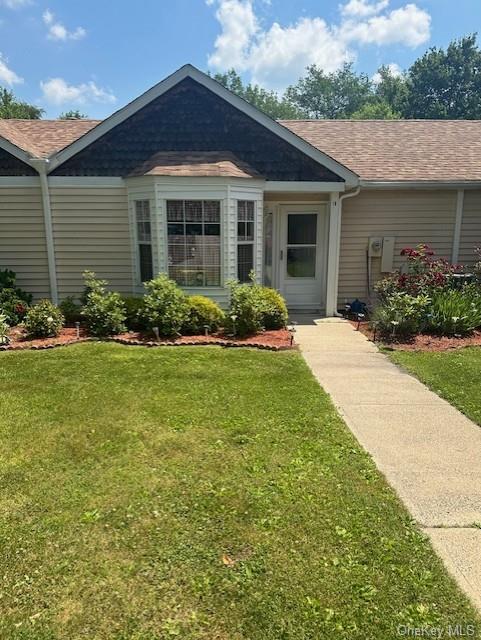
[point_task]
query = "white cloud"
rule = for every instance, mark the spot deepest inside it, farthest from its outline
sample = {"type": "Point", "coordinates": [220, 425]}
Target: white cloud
{"type": "Point", "coordinates": [57, 91]}
{"type": "Point", "coordinates": [363, 8]}
{"type": "Point", "coordinates": [407, 25]}
{"type": "Point", "coordinates": [15, 4]}
{"type": "Point", "coordinates": [7, 76]}
{"type": "Point", "coordinates": [281, 54]}
{"type": "Point", "coordinates": [58, 31]}
{"type": "Point", "coordinates": [394, 69]}
{"type": "Point", "coordinates": [239, 27]}
{"type": "Point", "coordinates": [277, 55]}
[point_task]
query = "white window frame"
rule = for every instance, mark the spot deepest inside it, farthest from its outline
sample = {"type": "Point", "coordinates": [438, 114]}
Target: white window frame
{"type": "Point", "coordinates": [201, 198]}
{"type": "Point", "coordinates": [246, 242]}
{"type": "Point", "coordinates": [138, 240]}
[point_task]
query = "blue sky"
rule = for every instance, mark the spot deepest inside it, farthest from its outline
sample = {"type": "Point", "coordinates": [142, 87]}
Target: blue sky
{"type": "Point", "coordinates": [98, 55]}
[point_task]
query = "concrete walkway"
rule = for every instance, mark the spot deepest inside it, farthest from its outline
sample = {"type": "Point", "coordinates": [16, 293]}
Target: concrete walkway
{"type": "Point", "coordinates": [429, 452]}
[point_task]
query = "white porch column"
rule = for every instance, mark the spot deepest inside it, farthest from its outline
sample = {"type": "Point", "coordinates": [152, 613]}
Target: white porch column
{"type": "Point", "coordinates": [333, 254]}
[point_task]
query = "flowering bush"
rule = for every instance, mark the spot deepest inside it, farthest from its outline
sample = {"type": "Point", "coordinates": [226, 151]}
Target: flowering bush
{"type": "Point", "coordinates": [14, 302]}
{"type": "Point", "coordinates": [425, 274]}
{"type": "Point", "coordinates": [43, 320]}
{"type": "Point", "coordinates": [401, 314]}
{"type": "Point", "coordinates": [103, 310]}
{"type": "Point", "coordinates": [165, 305]}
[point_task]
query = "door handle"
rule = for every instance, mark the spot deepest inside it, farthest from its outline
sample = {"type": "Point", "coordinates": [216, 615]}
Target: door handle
{"type": "Point", "coordinates": [282, 255]}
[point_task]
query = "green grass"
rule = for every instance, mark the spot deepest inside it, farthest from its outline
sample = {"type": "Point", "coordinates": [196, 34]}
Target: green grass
{"type": "Point", "coordinates": [197, 493]}
{"type": "Point", "coordinates": [454, 375]}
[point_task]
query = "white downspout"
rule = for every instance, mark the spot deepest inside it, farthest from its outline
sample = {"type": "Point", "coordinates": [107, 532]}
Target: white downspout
{"type": "Point", "coordinates": [41, 166]}
{"type": "Point", "coordinates": [335, 225]}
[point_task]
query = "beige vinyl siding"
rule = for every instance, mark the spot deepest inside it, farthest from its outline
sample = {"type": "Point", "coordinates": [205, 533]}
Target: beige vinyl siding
{"type": "Point", "coordinates": [22, 238]}
{"type": "Point", "coordinates": [411, 217]}
{"type": "Point", "coordinates": [471, 227]}
{"type": "Point", "coordinates": [91, 231]}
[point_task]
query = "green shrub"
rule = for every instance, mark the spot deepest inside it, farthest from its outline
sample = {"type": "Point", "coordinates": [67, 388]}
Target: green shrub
{"type": "Point", "coordinates": [253, 308]}
{"type": "Point", "coordinates": [401, 314]}
{"type": "Point", "coordinates": [454, 312]}
{"type": "Point", "coordinates": [134, 311]}
{"type": "Point", "coordinates": [43, 320]}
{"type": "Point", "coordinates": [72, 312]}
{"type": "Point", "coordinates": [14, 302]}
{"type": "Point", "coordinates": [4, 330]}
{"type": "Point", "coordinates": [273, 308]}
{"type": "Point", "coordinates": [202, 311]}
{"type": "Point", "coordinates": [104, 310]}
{"type": "Point", "coordinates": [244, 316]}
{"type": "Point", "coordinates": [165, 305]}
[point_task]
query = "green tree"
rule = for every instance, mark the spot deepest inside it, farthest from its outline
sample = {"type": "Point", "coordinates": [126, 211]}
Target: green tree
{"type": "Point", "coordinates": [12, 107]}
{"type": "Point", "coordinates": [446, 83]}
{"type": "Point", "coordinates": [377, 110]}
{"type": "Point", "coordinates": [279, 108]}
{"type": "Point", "coordinates": [73, 114]}
{"type": "Point", "coordinates": [330, 95]}
{"type": "Point", "coordinates": [392, 90]}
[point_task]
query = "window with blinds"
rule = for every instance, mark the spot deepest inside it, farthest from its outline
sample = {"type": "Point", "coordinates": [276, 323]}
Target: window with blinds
{"type": "Point", "coordinates": [194, 242]}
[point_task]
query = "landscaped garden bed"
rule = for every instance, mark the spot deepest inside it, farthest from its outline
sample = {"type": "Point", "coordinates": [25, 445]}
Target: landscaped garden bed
{"type": "Point", "coordinates": [165, 315]}
{"type": "Point", "coordinates": [432, 305]}
{"type": "Point", "coordinates": [421, 341]}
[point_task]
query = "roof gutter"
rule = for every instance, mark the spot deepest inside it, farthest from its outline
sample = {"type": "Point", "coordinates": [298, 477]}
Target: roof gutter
{"type": "Point", "coordinates": [41, 165]}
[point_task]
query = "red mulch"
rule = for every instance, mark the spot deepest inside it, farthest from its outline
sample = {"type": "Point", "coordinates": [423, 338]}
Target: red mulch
{"type": "Point", "coordinates": [424, 341]}
{"type": "Point", "coordinates": [18, 339]}
{"type": "Point", "coordinates": [276, 340]}
{"type": "Point", "coordinates": [273, 340]}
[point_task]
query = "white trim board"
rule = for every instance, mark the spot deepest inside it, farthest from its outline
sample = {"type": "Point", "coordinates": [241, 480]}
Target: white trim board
{"type": "Point", "coordinates": [273, 186]}
{"type": "Point", "coordinates": [188, 71]}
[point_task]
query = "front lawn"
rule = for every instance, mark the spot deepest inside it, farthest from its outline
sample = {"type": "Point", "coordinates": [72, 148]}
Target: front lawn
{"type": "Point", "coordinates": [197, 493]}
{"type": "Point", "coordinates": [454, 375]}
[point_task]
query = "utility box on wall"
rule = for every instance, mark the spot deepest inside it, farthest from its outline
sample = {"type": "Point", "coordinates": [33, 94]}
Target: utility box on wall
{"type": "Point", "coordinates": [387, 258]}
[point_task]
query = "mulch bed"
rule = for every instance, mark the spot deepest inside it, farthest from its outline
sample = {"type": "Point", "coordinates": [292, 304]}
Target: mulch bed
{"type": "Point", "coordinates": [277, 340]}
{"type": "Point", "coordinates": [422, 342]}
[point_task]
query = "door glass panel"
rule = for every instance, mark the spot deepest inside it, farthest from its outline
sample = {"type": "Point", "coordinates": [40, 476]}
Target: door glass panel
{"type": "Point", "coordinates": [301, 262]}
{"type": "Point", "coordinates": [302, 228]}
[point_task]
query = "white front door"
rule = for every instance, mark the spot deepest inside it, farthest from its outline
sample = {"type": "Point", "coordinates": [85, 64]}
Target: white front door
{"type": "Point", "coordinates": [303, 234]}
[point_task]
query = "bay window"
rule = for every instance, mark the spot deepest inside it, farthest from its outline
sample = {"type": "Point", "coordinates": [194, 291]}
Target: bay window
{"type": "Point", "coordinates": [194, 242]}
{"type": "Point", "coordinates": [144, 239]}
{"type": "Point", "coordinates": [245, 239]}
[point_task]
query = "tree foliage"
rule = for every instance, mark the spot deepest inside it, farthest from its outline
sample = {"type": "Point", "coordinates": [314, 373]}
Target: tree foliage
{"type": "Point", "coordinates": [330, 95]}
{"type": "Point", "coordinates": [446, 83]}
{"type": "Point", "coordinates": [12, 107]}
{"type": "Point", "coordinates": [73, 114]}
{"type": "Point", "coordinates": [279, 108]}
{"type": "Point", "coordinates": [442, 83]}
